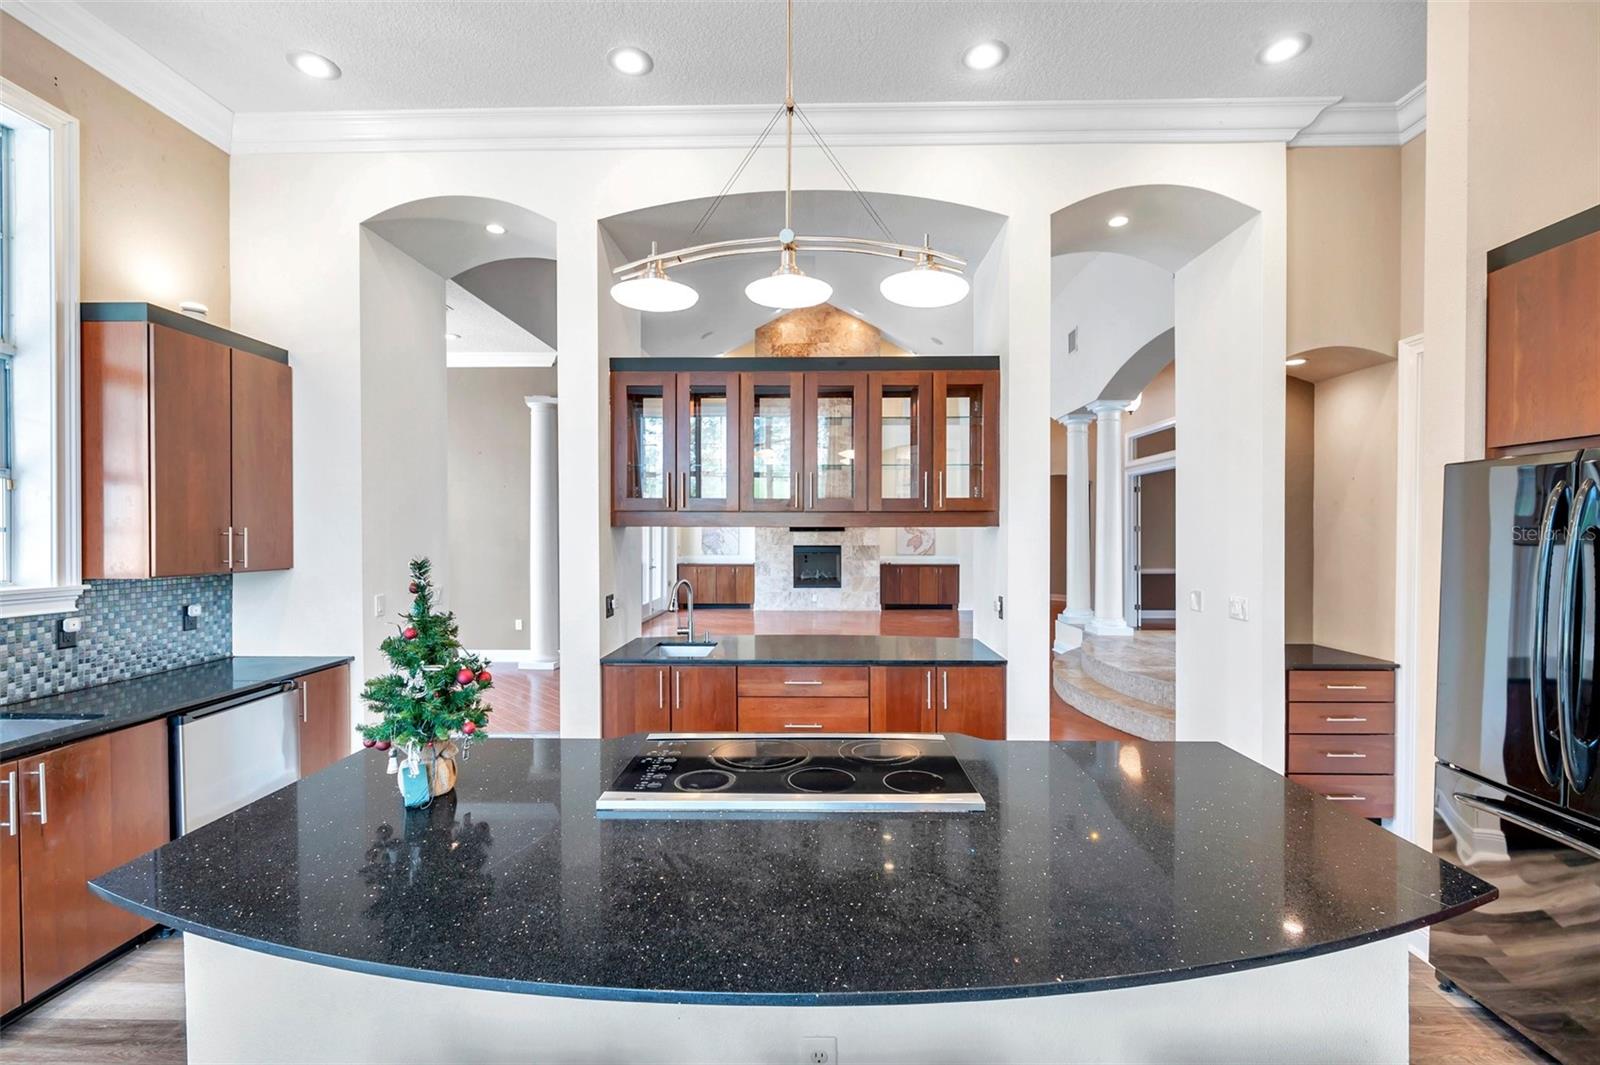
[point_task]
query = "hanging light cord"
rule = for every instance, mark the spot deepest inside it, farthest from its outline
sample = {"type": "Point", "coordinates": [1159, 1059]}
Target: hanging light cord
{"type": "Point", "coordinates": [866, 204]}
{"type": "Point", "coordinates": [748, 155]}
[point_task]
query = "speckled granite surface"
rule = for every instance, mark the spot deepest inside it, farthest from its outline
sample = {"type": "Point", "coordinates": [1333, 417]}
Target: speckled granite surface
{"type": "Point", "coordinates": [1316, 656]}
{"type": "Point", "coordinates": [1094, 866]}
{"type": "Point", "coordinates": [818, 650]}
{"type": "Point", "coordinates": [88, 712]}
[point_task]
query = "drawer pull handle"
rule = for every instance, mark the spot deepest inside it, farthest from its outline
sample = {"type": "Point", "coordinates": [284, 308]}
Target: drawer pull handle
{"type": "Point", "coordinates": [1343, 720]}
{"type": "Point", "coordinates": [799, 683]}
{"type": "Point", "coordinates": [793, 725]}
{"type": "Point", "coordinates": [1345, 798]}
{"type": "Point", "coordinates": [1343, 754]}
{"type": "Point", "coordinates": [1345, 687]}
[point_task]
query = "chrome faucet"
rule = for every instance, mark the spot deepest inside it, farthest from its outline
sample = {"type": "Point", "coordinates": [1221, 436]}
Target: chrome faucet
{"type": "Point", "coordinates": [672, 604]}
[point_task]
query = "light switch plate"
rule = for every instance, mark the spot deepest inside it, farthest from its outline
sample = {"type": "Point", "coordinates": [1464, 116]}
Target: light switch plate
{"type": "Point", "coordinates": [1238, 608]}
{"type": "Point", "coordinates": [379, 601]}
{"type": "Point", "coordinates": [1194, 601]}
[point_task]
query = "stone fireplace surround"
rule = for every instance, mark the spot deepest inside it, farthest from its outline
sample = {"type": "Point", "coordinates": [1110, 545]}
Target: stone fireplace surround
{"type": "Point", "coordinates": [858, 570]}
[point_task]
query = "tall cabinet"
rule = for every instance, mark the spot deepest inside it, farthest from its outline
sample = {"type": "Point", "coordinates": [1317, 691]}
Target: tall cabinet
{"type": "Point", "coordinates": [187, 447]}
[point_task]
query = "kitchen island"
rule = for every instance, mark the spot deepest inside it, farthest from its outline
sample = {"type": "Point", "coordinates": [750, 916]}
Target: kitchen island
{"type": "Point", "coordinates": [1113, 901]}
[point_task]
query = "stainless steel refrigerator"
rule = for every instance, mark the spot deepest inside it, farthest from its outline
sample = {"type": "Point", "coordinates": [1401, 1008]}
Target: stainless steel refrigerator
{"type": "Point", "coordinates": [1517, 784]}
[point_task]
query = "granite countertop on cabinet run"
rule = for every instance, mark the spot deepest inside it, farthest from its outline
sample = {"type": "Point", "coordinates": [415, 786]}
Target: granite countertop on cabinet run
{"type": "Point", "coordinates": [816, 651]}
{"type": "Point", "coordinates": [1316, 656]}
{"type": "Point", "coordinates": [1095, 865]}
{"type": "Point", "coordinates": [107, 707]}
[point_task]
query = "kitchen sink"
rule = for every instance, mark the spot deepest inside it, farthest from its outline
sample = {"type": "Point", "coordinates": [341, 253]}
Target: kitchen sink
{"type": "Point", "coordinates": [20, 728]}
{"type": "Point", "coordinates": [684, 650]}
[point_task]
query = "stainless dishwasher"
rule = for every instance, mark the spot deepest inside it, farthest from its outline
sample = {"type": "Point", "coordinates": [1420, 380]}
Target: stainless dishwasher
{"type": "Point", "coordinates": [230, 754]}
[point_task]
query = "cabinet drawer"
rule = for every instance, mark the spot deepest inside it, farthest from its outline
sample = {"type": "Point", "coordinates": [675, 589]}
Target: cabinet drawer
{"type": "Point", "coordinates": [1341, 717]}
{"type": "Point", "coordinates": [1344, 755]}
{"type": "Point", "coordinates": [803, 682]}
{"type": "Point", "coordinates": [1341, 685]}
{"type": "Point", "coordinates": [1362, 796]}
{"type": "Point", "coordinates": [803, 715]}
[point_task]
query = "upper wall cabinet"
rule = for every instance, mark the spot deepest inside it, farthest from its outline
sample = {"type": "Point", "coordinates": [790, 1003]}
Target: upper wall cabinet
{"type": "Point", "coordinates": [805, 442]}
{"type": "Point", "coordinates": [187, 447]}
{"type": "Point", "coordinates": [1543, 357]}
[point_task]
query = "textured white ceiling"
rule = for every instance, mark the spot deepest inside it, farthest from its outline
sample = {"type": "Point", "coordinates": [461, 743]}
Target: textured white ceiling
{"type": "Point", "coordinates": [429, 54]}
{"type": "Point", "coordinates": [1167, 224]}
{"type": "Point", "coordinates": [482, 328]}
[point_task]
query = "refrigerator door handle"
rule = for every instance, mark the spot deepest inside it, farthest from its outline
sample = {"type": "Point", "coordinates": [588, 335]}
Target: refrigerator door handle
{"type": "Point", "coordinates": [1498, 808]}
{"type": "Point", "coordinates": [1585, 519]}
{"type": "Point", "coordinates": [1541, 623]}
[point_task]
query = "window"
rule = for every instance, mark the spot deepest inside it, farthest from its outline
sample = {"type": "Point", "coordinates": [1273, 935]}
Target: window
{"type": "Point", "coordinates": [40, 550]}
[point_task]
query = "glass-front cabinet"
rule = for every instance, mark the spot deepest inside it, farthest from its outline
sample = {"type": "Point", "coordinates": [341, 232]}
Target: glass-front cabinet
{"type": "Point", "coordinates": [966, 440]}
{"type": "Point", "coordinates": [643, 441]}
{"type": "Point", "coordinates": [901, 451]}
{"type": "Point", "coordinates": [836, 441]}
{"type": "Point", "coordinates": [708, 449]}
{"type": "Point", "coordinates": [773, 448]}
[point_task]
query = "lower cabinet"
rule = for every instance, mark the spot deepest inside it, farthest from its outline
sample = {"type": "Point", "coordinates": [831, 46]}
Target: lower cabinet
{"type": "Point", "coordinates": [10, 888]}
{"type": "Point", "coordinates": [801, 699]}
{"type": "Point", "coordinates": [902, 585]}
{"type": "Point", "coordinates": [668, 699]}
{"type": "Point", "coordinates": [720, 584]}
{"type": "Point", "coordinates": [80, 810]}
{"type": "Point", "coordinates": [325, 725]}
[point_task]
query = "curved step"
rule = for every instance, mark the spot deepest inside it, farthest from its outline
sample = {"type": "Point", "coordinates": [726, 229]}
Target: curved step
{"type": "Point", "coordinates": [1143, 667]}
{"type": "Point", "coordinates": [1107, 705]}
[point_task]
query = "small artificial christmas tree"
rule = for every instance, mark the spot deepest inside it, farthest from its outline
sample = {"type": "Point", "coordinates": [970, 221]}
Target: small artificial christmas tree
{"type": "Point", "coordinates": [431, 700]}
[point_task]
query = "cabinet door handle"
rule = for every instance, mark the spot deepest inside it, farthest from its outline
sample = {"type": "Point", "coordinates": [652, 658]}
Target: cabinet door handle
{"type": "Point", "coordinates": [44, 810]}
{"type": "Point", "coordinates": [924, 489]}
{"type": "Point", "coordinates": [677, 690]}
{"type": "Point", "coordinates": [661, 692]}
{"type": "Point", "coordinates": [1343, 720]}
{"type": "Point", "coordinates": [1345, 798]}
{"type": "Point", "coordinates": [11, 803]}
{"type": "Point", "coordinates": [929, 694]}
{"type": "Point", "coordinates": [683, 489]}
{"type": "Point", "coordinates": [1343, 754]}
{"type": "Point", "coordinates": [1345, 687]}
{"type": "Point", "coordinates": [227, 538]}
{"type": "Point", "coordinates": [941, 489]}
{"type": "Point", "coordinates": [944, 685]}
{"type": "Point", "coordinates": [793, 724]}
{"type": "Point", "coordinates": [797, 683]}
{"type": "Point", "coordinates": [305, 708]}
{"type": "Point", "coordinates": [811, 491]}
{"type": "Point", "coordinates": [244, 547]}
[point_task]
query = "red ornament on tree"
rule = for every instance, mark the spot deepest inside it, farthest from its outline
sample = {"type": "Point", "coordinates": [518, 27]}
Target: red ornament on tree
{"type": "Point", "coordinates": [369, 743]}
{"type": "Point", "coordinates": [415, 587]}
{"type": "Point", "coordinates": [464, 676]}
{"type": "Point", "coordinates": [410, 632]}
{"type": "Point", "coordinates": [469, 728]}
{"type": "Point", "coordinates": [485, 677]}
{"type": "Point", "coordinates": [382, 745]}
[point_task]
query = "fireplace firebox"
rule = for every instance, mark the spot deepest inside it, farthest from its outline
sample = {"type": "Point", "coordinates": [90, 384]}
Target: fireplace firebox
{"type": "Point", "coordinates": [816, 566]}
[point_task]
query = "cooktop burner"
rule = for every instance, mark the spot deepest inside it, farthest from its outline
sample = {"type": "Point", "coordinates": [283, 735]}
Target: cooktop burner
{"type": "Point", "coordinates": [686, 773]}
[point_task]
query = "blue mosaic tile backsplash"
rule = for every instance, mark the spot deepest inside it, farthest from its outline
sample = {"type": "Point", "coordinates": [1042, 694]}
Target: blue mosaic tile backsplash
{"type": "Point", "coordinates": [130, 628]}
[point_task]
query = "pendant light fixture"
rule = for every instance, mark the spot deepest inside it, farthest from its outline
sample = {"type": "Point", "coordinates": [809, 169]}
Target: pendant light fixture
{"type": "Point", "coordinates": [934, 278]}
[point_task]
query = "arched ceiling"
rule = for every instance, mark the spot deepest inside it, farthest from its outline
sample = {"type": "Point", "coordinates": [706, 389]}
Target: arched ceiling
{"type": "Point", "coordinates": [1168, 225]}
{"type": "Point", "coordinates": [447, 235]}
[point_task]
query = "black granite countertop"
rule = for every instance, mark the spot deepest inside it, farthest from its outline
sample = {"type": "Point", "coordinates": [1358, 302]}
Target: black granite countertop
{"type": "Point", "coordinates": [1095, 865]}
{"type": "Point", "coordinates": [815, 651]}
{"type": "Point", "coordinates": [107, 707]}
{"type": "Point", "coordinates": [1316, 656]}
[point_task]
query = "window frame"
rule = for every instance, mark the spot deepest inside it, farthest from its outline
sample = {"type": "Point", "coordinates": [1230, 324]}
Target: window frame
{"type": "Point", "coordinates": [63, 584]}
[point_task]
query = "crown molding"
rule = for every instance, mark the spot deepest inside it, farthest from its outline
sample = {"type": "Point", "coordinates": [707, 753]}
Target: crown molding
{"type": "Point", "coordinates": [68, 25]}
{"type": "Point", "coordinates": [870, 125]}
{"type": "Point", "coordinates": [1367, 125]}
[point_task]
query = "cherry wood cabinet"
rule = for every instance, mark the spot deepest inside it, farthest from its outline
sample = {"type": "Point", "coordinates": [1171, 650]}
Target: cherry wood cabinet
{"type": "Point", "coordinates": [902, 699]}
{"type": "Point", "coordinates": [900, 452]}
{"type": "Point", "coordinates": [668, 698]}
{"type": "Point", "coordinates": [720, 584]}
{"type": "Point", "coordinates": [836, 449]}
{"type": "Point", "coordinates": [325, 725]}
{"type": "Point", "coordinates": [187, 447]}
{"type": "Point", "coordinates": [708, 455]}
{"type": "Point", "coordinates": [773, 442]}
{"type": "Point", "coordinates": [644, 441]}
{"type": "Point", "coordinates": [84, 808]}
{"type": "Point", "coordinates": [704, 699]}
{"type": "Point", "coordinates": [966, 440]}
{"type": "Point", "coordinates": [971, 699]}
{"type": "Point", "coordinates": [1340, 737]}
{"type": "Point", "coordinates": [1542, 380]}
{"type": "Point", "coordinates": [10, 889]}
{"type": "Point", "coordinates": [902, 585]}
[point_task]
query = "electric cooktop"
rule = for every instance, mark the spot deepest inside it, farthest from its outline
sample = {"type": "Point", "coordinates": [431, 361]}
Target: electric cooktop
{"type": "Point", "coordinates": [685, 773]}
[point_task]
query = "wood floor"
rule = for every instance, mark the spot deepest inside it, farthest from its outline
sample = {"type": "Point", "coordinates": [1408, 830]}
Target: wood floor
{"type": "Point", "coordinates": [523, 701]}
{"type": "Point", "coordinates": [131, 1013]}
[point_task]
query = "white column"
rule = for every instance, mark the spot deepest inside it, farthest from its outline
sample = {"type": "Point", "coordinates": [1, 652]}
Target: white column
{"type": "Point", "coordinates": [1079, 608]}
{"type": "Point", "coordinates": [1108, 617]}
{"type": "Point", "coordinates": [544, 563]}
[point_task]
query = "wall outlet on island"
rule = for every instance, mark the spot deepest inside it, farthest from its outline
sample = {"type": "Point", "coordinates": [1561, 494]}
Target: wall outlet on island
{"type": "Point", "coordinates": [819, 1050]}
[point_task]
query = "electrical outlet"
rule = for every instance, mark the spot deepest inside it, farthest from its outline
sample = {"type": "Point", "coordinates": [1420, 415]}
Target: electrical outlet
{"type": "Point", "coordinates": [1000, 607]}
{"type": "Point", "coordinates": [379, 602]}
{"type": "Point", "coordinates": [67, 632]}
{"type": "Point", "coordinates": [516, 623]}
{"type": "Point", "coordinates": [611, 606]}
{"type": "Point", "coordinates": [191, 617]}
{"type": "Point", "coordinates": [819, 1050]}
{"type": "Point", "coordinates": [1238, 608]}
{"type": "Point", "coordinates": [1194, 601]}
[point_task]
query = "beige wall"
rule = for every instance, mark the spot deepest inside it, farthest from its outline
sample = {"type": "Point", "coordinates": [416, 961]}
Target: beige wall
{"type": "Point", "coordinates": [1513, 145]}
{"type": "Point", "coordinates": [1353, 512]}
{"type": "Point", "coordinates": [1413, 169]}
{"type": "Point", "coordinates": [154, 196]}
{"type": "Point", "coordinates": [1299, 524]}
{"type": "Point", "coordinates": [487, 501]}
{"type": "Point", "coordinates": [1344, 248]}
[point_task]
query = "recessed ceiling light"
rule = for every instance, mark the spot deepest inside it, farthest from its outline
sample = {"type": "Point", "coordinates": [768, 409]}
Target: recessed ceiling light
{"type": "Point", "coordinates": [986, 55]}
{"type": "Point", "coordinates": [630, 60]}
{"type": "Point", "coordinates": [313, 65]}
{"type": "Point", "coordinates": [452, 336]}
{"type": "Point", "coordinates": [1296, 361]}
{"type": "Point", "coordinates": [1285, 48]}
{"type": "Point", "coordinates": [495, 229]}
{"type": "Point", "coordinates": [1117, 221]}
